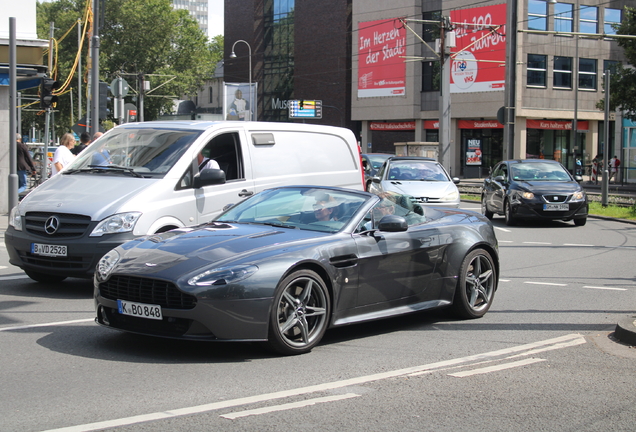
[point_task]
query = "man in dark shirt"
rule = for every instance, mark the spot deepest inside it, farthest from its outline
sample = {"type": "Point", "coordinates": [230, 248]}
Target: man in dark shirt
{"type": "Point", "coordinates": [85, 139]}
{"type": "Point", "coordinates": [25, 163]}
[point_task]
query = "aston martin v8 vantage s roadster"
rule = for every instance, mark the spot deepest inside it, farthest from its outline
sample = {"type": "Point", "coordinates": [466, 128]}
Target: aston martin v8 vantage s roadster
{"type": "Point", "coordinates": [288, 263]}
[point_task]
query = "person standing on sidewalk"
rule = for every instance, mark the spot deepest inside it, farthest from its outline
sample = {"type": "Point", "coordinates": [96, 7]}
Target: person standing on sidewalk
{"type": "Point", "coordinates": [85, 140]}
{"type": "Point", "coordinates": [25, 163]}
{"type": "Point", "coordinates": [63, 155]}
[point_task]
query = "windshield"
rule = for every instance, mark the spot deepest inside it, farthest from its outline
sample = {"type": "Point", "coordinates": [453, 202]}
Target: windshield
{"type": "Point", "coordinates": [543, 171]}
{"type": "Point", "coordinates": [143, 152]}
{"type": "Point", "coordinates": [377, 160]}
{"type": "Point", "coordinates": [305, 208]}
{"type": "Point", "coordinates": [417, 170]}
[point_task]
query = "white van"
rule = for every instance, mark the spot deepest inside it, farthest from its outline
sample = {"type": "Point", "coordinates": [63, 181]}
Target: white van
{"type": "Point", "coordinates": [145, 178]}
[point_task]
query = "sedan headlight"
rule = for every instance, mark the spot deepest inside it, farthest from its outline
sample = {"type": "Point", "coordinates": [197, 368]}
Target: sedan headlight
{"type": "Point", "coordinates": [578, 196]}
{"type": "Point", "coordinates": [223, 275]}
{"type": "Point", "coordinates": [453, 196]}
{"type": "Point", "coordinates": [119, 223]}
{"type": "Point", "coordinates": [106, 265]}
{"type": "Point", "coordinates": [527, 195]}
{"type": "Point", "coordinates": [15, 220]}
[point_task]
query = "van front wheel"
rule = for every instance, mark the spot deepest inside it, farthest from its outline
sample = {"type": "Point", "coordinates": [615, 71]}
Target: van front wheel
{"type": "Point", "coordinates": [43, 277]}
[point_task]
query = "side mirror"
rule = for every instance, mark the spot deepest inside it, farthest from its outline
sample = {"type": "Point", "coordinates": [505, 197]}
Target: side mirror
{"type": "Point", "coordinates": [500, 179]}
{"type": "Point", "coordinates": [208, 177]}
{"type": "Point", "coordinates": [376, 180]}
{"type": "Point", "coordinates": [393, 223]}
{"type": "Point", "coordinates": [456, 180]}
{"type": "Point", "coordinates": [578, 178]}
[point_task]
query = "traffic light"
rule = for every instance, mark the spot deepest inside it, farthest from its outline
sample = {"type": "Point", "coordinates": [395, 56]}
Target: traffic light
{"type": "Point", "coordinates": [47, 98]}
{"type": "Point", "coordinates": [104, 100]}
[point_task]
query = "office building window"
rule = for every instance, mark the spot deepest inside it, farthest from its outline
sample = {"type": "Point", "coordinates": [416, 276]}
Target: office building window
{"type": "Point", "coordinates": [588, 21]}
{"type": "Point", "coordinates": [537, 15]}
{"type": "Point", "coordinates": [587, 74]}
{"type": "Point", "coordinates": [211, 94]}
{"type": "Point", "coordinates": [563, 17]}
{"type": "Point", "coordinates": [562, 72]}
{"type": "Point", "coordinates": [537, 70]}
{"type": "Point", "coordinates": [612, 18]}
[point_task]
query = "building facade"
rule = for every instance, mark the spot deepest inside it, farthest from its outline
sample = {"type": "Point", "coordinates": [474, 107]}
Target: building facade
{"type": "Point", "coordinates": [383, 59]}
{"type": "Point", "coordinates": [198, 10]}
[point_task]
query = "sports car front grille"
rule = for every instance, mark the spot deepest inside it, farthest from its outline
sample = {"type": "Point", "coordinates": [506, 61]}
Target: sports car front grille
{"type": "Point", "coordinates": [145, 290]}
{"type": "Point", "coordinates": [70, 225]}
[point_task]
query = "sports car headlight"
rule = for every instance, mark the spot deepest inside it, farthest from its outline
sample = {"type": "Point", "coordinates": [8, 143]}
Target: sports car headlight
{"type": "Point", "coordinates": [106, 265]}
{"type": "Point", "coordinates": [453, 196]}
{"type": "Point", "coordinates": [223, 275]}
{"type": "Point", "coordinates": [527, 195]}
{"type": "Point", "coordinates": [119, 223]}
{"type": "Point", "coordinates": [15, 220]}
{"type": "Point", "coordinates": [578, 196]}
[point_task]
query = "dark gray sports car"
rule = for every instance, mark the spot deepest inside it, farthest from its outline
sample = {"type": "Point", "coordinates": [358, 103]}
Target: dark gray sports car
{"type": "Point", "coordinates": [288, 263]}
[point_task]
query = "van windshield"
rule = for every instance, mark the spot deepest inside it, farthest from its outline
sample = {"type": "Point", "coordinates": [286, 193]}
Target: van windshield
{"type": "Point", "coordinates": [144, 152]}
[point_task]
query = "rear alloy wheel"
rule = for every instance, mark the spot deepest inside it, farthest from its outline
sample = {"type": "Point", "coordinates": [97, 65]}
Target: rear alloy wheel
{"type": "Point", "coordinates": [43, 277]}
{"type": "Point", "coordinates": [510, 219]}
{"type": "Point", "coordinates": [484, 208]}
{"type": "Point", "coordinates": [476, 285]}
{"type": "Point", "coordinates": [300, 313]}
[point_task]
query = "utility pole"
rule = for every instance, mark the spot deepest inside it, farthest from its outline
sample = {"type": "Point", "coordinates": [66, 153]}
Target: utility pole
{"type": "Point", "coordinates": [47, 114]}
{"type": "Point", "coordinates": [445, 157]}
{"type": "Point", "coordinates": [79, 70]}
{"type": "Point", "coordinates": [511, 81]}
{"type": "Point", "coordinates": [142, 89]}
{"type": "Point", "coordinates": [605, 183]}
{"type": "Point", "coordinates": [95, 70]}
{"type": "Point", "coordinates": [13, 146]}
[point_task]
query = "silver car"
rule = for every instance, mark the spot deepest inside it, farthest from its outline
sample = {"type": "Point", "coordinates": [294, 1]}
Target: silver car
{"type": "Point", "coordinates": [424, 179]}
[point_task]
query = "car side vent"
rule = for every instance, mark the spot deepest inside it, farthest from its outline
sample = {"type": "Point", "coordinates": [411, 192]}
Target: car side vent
{"type": "Point", "coordinates": [263, 139]}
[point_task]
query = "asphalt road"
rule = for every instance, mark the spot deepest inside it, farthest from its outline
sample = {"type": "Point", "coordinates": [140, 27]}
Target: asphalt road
{"type": "Point", "coordinates": [542, 359]}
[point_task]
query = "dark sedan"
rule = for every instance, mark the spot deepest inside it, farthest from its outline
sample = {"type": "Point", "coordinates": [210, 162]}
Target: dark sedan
{"type": "Point", "coordinates": [534, 189]}
{"type": "Point", "coordinates": [286, 264]}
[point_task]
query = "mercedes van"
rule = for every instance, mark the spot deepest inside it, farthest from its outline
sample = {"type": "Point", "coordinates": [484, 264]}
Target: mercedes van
{"type": "Point", "coordinates": [145, 178]}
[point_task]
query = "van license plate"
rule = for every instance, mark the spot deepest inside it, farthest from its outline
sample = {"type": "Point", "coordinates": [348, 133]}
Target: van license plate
{"type": "Point", "coordinates": [556, 207]}
{"type": "Point", "coordinates": [140, 310]}
{"type": "Point", "coordinates": [48, 250]}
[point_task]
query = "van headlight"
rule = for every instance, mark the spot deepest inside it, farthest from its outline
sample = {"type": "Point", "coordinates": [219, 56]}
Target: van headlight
{"type": "Point", "coordinates": [119, 223]}
{"type": "Point", "coordinates": [223, 275]}
{"type": "Point", "coordinates": [15, 220]}
{"type": "Point", "coordinates": [106, 265]}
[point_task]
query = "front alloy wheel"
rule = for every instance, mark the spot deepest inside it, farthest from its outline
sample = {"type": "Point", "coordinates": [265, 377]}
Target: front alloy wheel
{"type": "Point", "coordinates": [300, 313]}
{"type": "Point", "coordinates": [484, 208]}
{"type": "Point", "coordinates": [476, 285]}
{"type": "Point", "coordinates": [510, 219]}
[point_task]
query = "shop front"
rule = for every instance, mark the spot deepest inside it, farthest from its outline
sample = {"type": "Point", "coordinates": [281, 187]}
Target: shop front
{"type": "Point", "coordinates": [481, 146]}
{"type": "Point", "coordinates": [552, 139]}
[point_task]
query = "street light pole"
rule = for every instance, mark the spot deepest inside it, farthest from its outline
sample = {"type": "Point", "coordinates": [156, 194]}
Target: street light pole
{"type": "Point", "coordinates": [233, 55]}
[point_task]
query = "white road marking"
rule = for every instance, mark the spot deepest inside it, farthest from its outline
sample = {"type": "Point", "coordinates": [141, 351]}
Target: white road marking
{"type": "Point", "coordinates": [506, 241]}
{"type": "Point", "coordinates": [502, 229]}
{"type": "Point", "coordinates": [46, 324]}
{"type": "Point", "coordinates": [126, 421]}
{"type": "Point", "coordinates": [545, 283]}
{"type": "Point", "coordinates": [288, 406]}
{"type": "Point", "coordinates": [575, 244]}
{"type": "Point", "coordinates": [504, 280]}
{"type": "Point", "coordinates": [606, 288]}
{"type": "Point", "coordinates": [497, 367]}
{"type": "Point", "coordinates": [537, 243]}
{"type": "Point", "coordinates": [14, 277]}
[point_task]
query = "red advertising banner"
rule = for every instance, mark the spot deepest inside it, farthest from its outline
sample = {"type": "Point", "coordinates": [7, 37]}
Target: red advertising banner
{"type": "Point", "coordinates": [478, 61]}
{"type": "Point", "coordinates": [381, 68]}
{"type": "Point", "coordinates": [581, 125]}
{"type": "Point", "coordinates": [394, 126]}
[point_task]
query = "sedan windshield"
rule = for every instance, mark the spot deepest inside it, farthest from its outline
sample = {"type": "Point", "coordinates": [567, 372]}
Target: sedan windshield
{"type": "Point", "coordinates": [417, 170]}
{"type": "Point", "coordinates": [313, 209]}
{"type": "Point", "coordinates": [143, 152]}
{"type": "Point", "coordinates": [542, 171]}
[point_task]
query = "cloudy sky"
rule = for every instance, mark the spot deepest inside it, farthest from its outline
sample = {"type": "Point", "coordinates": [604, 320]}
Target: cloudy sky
{"type": "Point", "coordinates": [215, 17]}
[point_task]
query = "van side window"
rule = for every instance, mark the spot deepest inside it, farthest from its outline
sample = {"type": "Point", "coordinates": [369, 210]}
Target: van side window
{"type": "Point", "coordinates": [225, 149]}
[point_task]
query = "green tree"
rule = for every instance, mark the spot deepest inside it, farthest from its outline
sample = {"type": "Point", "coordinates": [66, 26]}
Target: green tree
{"type": "Point", "coordinates": [137, 36]}
{"type": "Point", "coordinates": [623, 78]}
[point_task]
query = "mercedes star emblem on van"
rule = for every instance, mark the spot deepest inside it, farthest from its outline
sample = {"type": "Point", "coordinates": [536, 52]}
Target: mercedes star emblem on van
{"type": "Point", "coordinates": [51, 225]}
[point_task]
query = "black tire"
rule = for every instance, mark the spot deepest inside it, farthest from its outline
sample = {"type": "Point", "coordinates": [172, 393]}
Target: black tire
{"type": "Point", "coordinates": [484, 208]}
{"type": "Point", "coordinates": [476, 285]}
{"type": "Point", "coordinates": [300, 313]}
{"type": "Point", "coordinates": [580, 221]}
{"type": "Point", "coordinates": [510, 219]}
{"type": "Point", "coordinates": [43, 277]}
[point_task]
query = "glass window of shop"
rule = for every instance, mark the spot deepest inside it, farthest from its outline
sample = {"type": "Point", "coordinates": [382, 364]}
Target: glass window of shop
{"type": "Point", "coordinates": [555, 145]}
{"type": "Point", "coordinates": [490, 142]}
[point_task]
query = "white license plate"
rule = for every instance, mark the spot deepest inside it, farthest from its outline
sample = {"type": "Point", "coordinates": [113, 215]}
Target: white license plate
{"type": "Point", "coordinates": [556, 207]}
{"type": "Point", "coordinates": [48, 250]}
{"type": "Point", "coordinates": [140, 310]}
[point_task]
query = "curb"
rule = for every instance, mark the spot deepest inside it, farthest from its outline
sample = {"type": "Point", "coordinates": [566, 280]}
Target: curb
{"type": "Point", "coordinates": [626, 330]}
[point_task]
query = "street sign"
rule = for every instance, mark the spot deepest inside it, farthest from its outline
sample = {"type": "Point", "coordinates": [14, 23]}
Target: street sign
{"type": "Point", "coordinates": [309, 109]}
{"type": "Point", "coordinates": [114, 87]}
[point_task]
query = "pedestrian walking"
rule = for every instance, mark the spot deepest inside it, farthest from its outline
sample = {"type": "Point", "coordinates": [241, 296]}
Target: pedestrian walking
{"type": "Point", "coordinates": [614, 163]}
{"type": "Point", "coordinates": [25, 163]}
{"type": "Point", "coordinates": [63, 155]}
{"type": "Point", "coordinates": [85, 140]}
